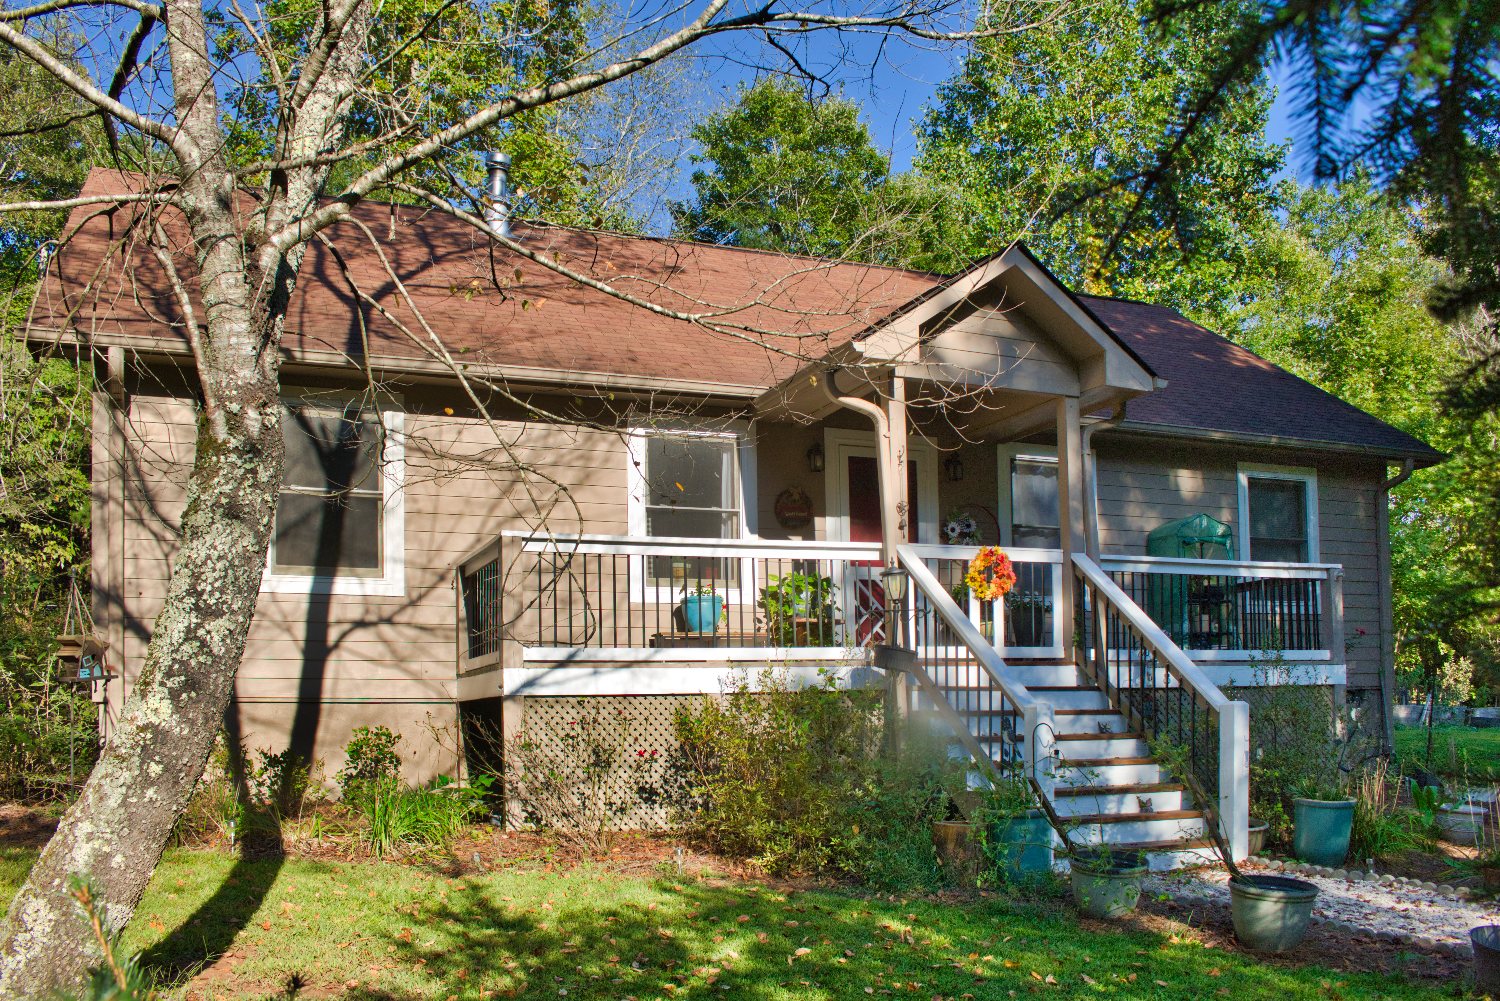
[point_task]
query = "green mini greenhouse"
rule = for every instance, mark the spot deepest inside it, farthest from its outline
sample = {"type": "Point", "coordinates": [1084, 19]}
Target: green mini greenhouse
{"type": "Point", "coordinates": [1196, 611]}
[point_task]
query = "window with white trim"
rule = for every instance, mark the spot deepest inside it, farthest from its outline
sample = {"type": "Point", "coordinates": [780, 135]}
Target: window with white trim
{"type": "Point", "coordinates": [338, 518]}
{"type": "Point", "coordinates": [690, 488]}
{"type": "Point", "coordinates": [1279, 514]}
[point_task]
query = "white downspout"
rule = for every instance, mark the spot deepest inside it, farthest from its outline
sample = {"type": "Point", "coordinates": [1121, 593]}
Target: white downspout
{"type": "Point", "coordinates": [890, 536]}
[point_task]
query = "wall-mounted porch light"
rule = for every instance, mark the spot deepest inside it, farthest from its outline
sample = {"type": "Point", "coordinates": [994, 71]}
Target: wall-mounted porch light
{"type": "Point", "coordinates": [815, 457]}
{"type": "Point", "coordinates": [954, 467]}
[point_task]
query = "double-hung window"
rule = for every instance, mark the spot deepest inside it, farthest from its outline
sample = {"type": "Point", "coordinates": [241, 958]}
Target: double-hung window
{"type": "Point", "coordinates": [1279, 514]}
{"type": "Point", "coordinates": [338, 518]}
{"type": "Point", "coordinates": [688, 485]}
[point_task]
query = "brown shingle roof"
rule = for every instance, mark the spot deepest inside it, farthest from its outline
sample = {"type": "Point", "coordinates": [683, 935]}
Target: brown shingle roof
{"type": "Point", "coordinates": [493, 308]}
{"type": "Point", "coordinates": [1214, 384]}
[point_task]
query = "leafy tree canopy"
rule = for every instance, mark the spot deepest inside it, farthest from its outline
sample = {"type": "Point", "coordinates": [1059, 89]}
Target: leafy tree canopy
{"type": "Point", "coordinates": [1048, 138]}
{"type": "Point", "coordinates": [780, 171]}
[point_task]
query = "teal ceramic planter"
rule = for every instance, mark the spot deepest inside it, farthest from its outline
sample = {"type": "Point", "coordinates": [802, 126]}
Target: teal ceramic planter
{"type": "Point", "coordinates": [1270, 913]}
{"type": "Point", "coordinates": [1321, 828]}
{"type": "Point", "coordinates": [700, 612]}
{"type": "Point", "coordinates": [1020, 847]}
{"type": "Point", "coordinates": [1107, 886]}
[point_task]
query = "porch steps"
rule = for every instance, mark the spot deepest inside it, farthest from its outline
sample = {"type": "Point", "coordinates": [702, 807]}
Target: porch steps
{"type": "Point", "coordinates": [1109, 789]}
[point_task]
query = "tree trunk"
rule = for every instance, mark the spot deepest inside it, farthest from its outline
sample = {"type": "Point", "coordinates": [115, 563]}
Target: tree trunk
{"type": "Point", "coordinates": [116, 831]}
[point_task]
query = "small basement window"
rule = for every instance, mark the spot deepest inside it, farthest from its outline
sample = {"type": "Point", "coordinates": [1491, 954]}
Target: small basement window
{"type": "Point", "coordinates": [1279, 514]}
{"type": "Point", "coordinates": [338, 515]}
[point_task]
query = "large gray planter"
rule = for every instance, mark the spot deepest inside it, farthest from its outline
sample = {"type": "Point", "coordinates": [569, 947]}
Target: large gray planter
{"type": "Point", "coordinates": [1486, 941]}
{"type": "Point", "coordinates": [1271, 913]}
{"type": "Point", "coordinates": [1485, 718]}
{"type": "Point", "coordinates": [1107, 884]}
{"type": "Point", "coordinates": [1461, 823]}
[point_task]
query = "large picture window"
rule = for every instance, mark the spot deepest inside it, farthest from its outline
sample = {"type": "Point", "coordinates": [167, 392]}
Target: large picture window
{"type": "Point", "coordinates": [334, 515]}
{"type": "Point", "coordinates": [689, 487]}
{"type": "Point", "coordinates": [1278, 515]}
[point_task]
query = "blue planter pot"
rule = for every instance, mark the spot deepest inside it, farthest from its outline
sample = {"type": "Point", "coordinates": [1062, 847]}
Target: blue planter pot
{"type": "Point", "coordinates": [1020, 847]}
{"type": "Point", "coordinates": [1321, 830]}
{"type": "Point", "coordinates": [700, 612]}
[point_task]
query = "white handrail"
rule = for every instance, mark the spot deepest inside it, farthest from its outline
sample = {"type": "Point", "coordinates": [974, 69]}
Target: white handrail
{"type": "Point", "coordinates": [625, 545]}
{"type": "Point", "coordinates": [928, 551]}
{"type": "Point", "coordinates": [957, 620]}
{"type": "Point", "coordinates": [1178, 663]}
{"type": "Point", "coordinates": [1218, 568]}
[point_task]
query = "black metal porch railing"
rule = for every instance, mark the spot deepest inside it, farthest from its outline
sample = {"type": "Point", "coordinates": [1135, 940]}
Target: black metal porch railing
{"type": "Point", "coordinates": [1225, 611]}
{"type": "Point", "coordinates": [1149, 683]}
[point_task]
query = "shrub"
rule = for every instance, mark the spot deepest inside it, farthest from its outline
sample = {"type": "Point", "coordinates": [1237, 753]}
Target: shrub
{"type": "Point", "coordinates": [581, 779]}
{"type": "Point", "coordinates": [398, 817]}
{"type": "Point", "coordinates": [1382, 829]}
{"type": "Point", "coordinates": [279, 783]}
{"type": "Point", "coordinates": [793, 781]}
{"type": "Point", "coordinates": [1298, 744]}
{"type": "Point", "coordinates": [369, 757]}
{"type": "Point", "coordinates": [214, 810]}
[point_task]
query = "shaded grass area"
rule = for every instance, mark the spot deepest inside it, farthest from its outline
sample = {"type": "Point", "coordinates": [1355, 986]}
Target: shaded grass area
{"type": "Point", "coordinates": [368, 931]}
{"type": "Point", "coordinates": [1456, 750]}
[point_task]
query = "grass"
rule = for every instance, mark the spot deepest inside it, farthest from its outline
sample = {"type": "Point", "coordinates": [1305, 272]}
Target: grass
{"type": "Point", "coordinates": [366, 931]}
{"type": "Point", "coordinates": [1456, 750]}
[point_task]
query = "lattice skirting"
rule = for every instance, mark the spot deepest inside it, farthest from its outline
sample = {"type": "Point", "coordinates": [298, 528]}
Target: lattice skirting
{"type": "Point", "coordinates": [616, 750]}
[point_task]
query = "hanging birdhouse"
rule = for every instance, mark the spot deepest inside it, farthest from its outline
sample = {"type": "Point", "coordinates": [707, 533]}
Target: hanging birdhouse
{"type": "Point", "coordinates": [80, 659]}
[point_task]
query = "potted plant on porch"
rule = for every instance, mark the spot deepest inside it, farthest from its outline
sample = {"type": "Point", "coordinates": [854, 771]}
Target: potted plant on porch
{"type": "Point", "coordinates": [702, 607]}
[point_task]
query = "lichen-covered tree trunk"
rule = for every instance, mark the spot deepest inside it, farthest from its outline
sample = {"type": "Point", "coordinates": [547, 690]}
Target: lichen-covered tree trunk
{"type": "Point", "coordinates": [118, 828]}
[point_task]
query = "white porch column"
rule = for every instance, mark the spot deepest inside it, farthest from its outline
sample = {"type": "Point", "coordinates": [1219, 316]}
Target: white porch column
{"type": "Point", "coordinates": [1234, 777]}
{"type": "Point", "coordinates": [897, 498]}
{"type": "Point", "coordinates": [1070, 504]}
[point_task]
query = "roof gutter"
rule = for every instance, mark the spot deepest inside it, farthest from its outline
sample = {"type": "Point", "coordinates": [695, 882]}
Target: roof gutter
{"type": "Point", "coordinates": [890, 535]}
{"type": "Point", "coordinates": [1431, 458]}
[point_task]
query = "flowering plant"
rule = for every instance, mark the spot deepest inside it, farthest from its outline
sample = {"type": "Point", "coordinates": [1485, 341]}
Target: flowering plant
{"type": "Point", "coordinates": [961, 529]}
{"type": "Point", "coordinates": [990, 575]}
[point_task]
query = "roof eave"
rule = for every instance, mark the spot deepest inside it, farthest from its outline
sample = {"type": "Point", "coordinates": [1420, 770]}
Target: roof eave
{"type": "Point", "coordinates": [1421, 457]}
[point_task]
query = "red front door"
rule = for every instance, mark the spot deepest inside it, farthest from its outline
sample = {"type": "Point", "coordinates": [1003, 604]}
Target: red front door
{"type": "Point", "coordinates": [864, 500]}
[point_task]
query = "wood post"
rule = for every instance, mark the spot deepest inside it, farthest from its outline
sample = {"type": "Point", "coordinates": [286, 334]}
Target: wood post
{"type": "Point", "coordinates": [1234, 777]}
{"type": "Point", "coordinates": [1070, 506]}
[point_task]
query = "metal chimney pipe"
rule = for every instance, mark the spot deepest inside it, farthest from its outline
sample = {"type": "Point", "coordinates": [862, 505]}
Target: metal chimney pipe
{"type": "Point", "coordinates": [497, 192]}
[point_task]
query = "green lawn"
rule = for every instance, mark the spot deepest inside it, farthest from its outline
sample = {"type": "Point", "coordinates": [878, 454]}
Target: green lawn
{"type": "Point", "coordinates": [1455, 750]}
{"type": "Point", "coordinates": [365, 931]}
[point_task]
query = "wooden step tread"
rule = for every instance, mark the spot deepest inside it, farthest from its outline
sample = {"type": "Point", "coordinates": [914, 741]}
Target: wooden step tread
{"type": "Point", "coordinates": [1055, 712]}
{"type": "Point", "coordinates": [1126, 818]}
{"type": "Point", "coordinates": [1128, 788]}
{"type": "Point", "coordinates": [1174, 845]}
{"type": "Point", "coordinates": [1106, 762]}
{"type": "Point", "coordinates": [1097, 736]}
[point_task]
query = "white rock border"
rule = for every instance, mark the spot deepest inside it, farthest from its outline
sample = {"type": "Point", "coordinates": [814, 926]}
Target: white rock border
{"type": "Point", "coordinates": [1359, 876]}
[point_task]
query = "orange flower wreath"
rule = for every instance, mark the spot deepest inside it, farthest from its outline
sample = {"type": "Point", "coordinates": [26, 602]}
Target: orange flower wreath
{"type": "Point", "coordinates": [990, 575]}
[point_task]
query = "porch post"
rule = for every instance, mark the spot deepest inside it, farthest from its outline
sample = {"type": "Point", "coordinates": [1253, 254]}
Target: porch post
{"type": "Point", "coordinates": [897, 496]}
{"type": "Point", "coordinates": [1070, 512]}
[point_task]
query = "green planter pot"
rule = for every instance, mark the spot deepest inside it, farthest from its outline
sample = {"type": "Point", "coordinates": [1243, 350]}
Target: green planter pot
{"type": "Point", "coordinates": [1020, 847]}
{"type": "Point", "coordinates": [1321, 829]}
{"type": "Point", "coordinates": [1270, 913]}
{"type": "Point", "coordinates": [1107, 885]}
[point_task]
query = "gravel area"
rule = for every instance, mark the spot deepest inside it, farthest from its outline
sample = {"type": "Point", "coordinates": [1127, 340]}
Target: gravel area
{"type": "Point", "coordinates": [1418, 916]}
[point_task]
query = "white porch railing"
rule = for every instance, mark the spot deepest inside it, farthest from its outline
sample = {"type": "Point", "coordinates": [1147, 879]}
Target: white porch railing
{"type": "Point", "coordinates": [600, 598]}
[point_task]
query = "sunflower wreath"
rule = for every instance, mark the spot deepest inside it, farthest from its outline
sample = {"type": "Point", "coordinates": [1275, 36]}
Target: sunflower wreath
{"type": "Point", "coordinates": [990, 575]}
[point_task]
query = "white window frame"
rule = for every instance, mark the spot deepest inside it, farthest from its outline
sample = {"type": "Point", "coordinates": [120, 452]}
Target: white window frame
{"type": "Point", "coordinates": [744, 454]}
{"type": "Point", "coordinates": [392, 581]}
{"type": "Point", "coordinates": [1005, 452]}
{"type": "Point", "coordinates": [1305, 475]}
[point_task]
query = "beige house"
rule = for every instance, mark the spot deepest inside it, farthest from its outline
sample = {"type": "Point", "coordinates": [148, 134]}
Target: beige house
{"type": "Point", "coordinates": [506, 489]}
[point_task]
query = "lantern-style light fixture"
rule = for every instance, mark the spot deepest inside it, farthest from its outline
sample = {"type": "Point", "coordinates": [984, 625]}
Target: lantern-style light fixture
{"type": "Point", "coordinates": [954, 467]}
{"type": "Point", "coordinates": [895, 580]}
{"type": "Point", "coordinates": [815, 457]}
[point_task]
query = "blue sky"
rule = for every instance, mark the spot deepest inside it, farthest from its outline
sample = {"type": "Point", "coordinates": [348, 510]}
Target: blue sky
{"type": "Point", "coordinates": [893, 83]}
